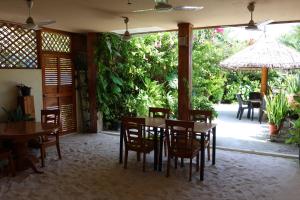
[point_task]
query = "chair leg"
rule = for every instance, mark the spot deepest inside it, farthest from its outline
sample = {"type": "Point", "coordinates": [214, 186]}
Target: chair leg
{"type": "Point", "coordinates": [144, 161]}
{"type": "Point", "coordinates": [241, 114]}
{"type": "Point", "coordinates": [208, 152]}
{"type": "Point", "coordinates": [238, 113]}
{"type": "Point", "coordinates": [58, 150]}
{"type": "Point", "coordinates": [181, 162]}
{"type": "Point", "coordinates": [165, 147]}
{"type": "Point", "coordinates": [125, 159]}
{"type": "Point", "coordinates": [168, 166]}
{"type": "Point", "coordinates": [252, 113]}
{"type": "Point", "coordinates": [197, 162]}
{"type": "Point", "coordinates": [191, 164]}
{"type": "Point", "coordinates": [42, 150]}
{"type": "Point", "coordinates": [12, 166]}
{"type": "Point", "coordinates": [176, 160]}
{"type": "Point", "coordinates": [138, 156]}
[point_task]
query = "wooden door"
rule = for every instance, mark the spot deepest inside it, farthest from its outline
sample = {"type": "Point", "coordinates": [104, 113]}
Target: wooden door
{"type": "Point", "coordinates": [58, 88]}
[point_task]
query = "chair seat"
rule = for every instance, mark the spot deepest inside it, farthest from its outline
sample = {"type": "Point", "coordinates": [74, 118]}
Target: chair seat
{"type": "Point", "coordinates": [188, 151]}
{"type": "Point", "coordinates": [145, 146]}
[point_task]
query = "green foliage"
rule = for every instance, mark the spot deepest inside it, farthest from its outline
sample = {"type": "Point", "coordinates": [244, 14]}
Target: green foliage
{"type": "Point", "coordinates": [277, 108]}
{"type": "Point", "coordinates": [292, 84]}
{"type": "Point", "coordinates": [292, 39]}
{"type": "Point", "coordinates": [16, 115]}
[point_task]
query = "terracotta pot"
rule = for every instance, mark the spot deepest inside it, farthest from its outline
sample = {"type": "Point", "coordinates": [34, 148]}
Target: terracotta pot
{"type": "Point", "coordinates": [274, 129]}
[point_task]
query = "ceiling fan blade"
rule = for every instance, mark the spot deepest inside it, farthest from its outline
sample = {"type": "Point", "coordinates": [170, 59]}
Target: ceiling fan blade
{"type": "Point", "coordinates": [264, 23]}
{"type": "Point", "coordinates": [45, 23]}
{"type": "Point", "coordinates": [31, 26]}
{"type": "Point", "coordinates": [144, 10]}
{"type": "Point", "coordinates": [188, 8]}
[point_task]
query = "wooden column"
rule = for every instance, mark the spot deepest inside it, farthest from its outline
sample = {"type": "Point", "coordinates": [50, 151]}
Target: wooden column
{"type": "Point", "coordinates": [185, 43]}
{"type": "Point", "coordinates": [264, 81]}
{"type": "Point", "coordinates": [92, 77]}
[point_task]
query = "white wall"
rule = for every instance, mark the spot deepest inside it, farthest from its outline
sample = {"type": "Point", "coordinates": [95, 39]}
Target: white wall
{"type": "Point", "coordinates": [9, 78]}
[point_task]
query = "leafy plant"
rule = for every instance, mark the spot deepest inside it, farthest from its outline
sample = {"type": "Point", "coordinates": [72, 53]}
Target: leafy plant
{"type": "Point", "coordinates": [277, 108]}
{"type": "Point", "coordinates": [16, 115]}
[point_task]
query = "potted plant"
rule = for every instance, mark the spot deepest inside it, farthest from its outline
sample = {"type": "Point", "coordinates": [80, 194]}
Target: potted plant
{"type": "Point", "coordinates": [277, 108]}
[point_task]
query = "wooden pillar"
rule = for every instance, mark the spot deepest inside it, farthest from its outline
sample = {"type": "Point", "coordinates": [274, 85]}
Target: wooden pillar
{"type": "Point", "coordinates": [185, 43]}
{"type": "Point", "coordinates": [92, 77]}
{"type": "Point", "coordinates": [264, 81]}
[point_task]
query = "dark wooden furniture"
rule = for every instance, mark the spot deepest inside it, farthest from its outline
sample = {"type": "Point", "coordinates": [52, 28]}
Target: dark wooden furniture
{"type": "Point", "coordinates": [6, 155]}
{"type": "Point", "coordinates": [254, 102]}
{"type": "Point", "coordinates": [50, 117]}
{"type": "Point", "coordinates": [199, 128]}
{"type": "Point", "coordinates": [27, 105]}
{"type": "Point", "coordinates": [243, 105]}
{"type": "Point", "coordinates": [20, 133]}
{"type": "Point", "coordinates": [135, 138]}
{"type": "Point", "coordinates": [160, 113]}
{"type": "Point", "coordinates": [204, 116]}
{"type": "Point", "coordinates": [182, 142]}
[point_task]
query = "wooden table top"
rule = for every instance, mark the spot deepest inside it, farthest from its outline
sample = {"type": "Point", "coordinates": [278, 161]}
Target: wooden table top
{"type": "Point", "coordinates": [199, 127]}
{"type": "Point", "coordinates": [28, 129]}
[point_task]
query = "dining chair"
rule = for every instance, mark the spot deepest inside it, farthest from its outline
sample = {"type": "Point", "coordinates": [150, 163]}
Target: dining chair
{"type": "Point", "coordinates": [243, 105]}
{"type": "Point", "coordinates": [135, 138]}
{"type": "Point", "coordinates": [182, 143]}
{"type": "Point", "coordinates": [255, 96]}
{"type": "Point", "coordinates": [50, 117]}
{"type": "Point", "coordinates": [160, 113]}
{"type": "Point", "coordinates": [6, 155]}
{"type": "Point", "coordinates": [204, 116]}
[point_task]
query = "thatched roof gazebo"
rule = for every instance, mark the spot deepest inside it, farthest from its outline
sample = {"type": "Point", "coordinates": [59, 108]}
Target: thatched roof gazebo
{"type": "Point", "coordinates": [264, 54]}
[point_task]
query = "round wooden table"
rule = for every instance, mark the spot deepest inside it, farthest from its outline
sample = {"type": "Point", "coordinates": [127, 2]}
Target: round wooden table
{"type": "Point", "coordinates": [20, 133]}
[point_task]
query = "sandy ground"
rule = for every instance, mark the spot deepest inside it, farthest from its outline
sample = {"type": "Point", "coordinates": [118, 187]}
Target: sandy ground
{"type": "Point", "coordinates": [90, 170]}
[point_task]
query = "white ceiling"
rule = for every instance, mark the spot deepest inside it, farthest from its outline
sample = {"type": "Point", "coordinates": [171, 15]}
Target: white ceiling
{"type": "Point", "coordinates": [105, 15]}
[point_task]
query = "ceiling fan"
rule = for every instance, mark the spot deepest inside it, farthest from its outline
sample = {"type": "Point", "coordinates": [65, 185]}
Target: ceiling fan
{"type": "Point", "coordinates": [252, 25]}
{"type": "Point", "coordinates": [30, 23]}
{"type": "Point", "coordinates": [126, 35]}
{"type": "Point", "coordinates": [163, 5]}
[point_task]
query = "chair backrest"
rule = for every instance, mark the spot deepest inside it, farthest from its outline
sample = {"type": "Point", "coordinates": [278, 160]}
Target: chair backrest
{"type": "Point", "coordinates": [50, 117]}
{"type": "Point", "coordinates": [180, 137]}
{"type": "Point", "coordinates": [254, 95]}
{"type": "Point", "coordinates": [239, 99]}
{"type": "Point", "coordinates": [159, 112]}
{"type": "Point", "coordinates": [133, 130]}
{"type": "Point", "coordinates": [201, 115]}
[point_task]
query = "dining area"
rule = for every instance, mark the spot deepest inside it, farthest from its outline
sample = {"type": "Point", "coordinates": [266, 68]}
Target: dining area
{"type": "Point", "coordinates": [170, 138]}
{"type": "Point", "coordinates": [24, 143]}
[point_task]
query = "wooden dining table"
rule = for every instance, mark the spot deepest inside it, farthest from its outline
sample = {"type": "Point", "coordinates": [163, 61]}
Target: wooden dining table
{"type": "Point", "coordinates": [20, 133]}
{"type": "Point", "coordinates": [158, 125]}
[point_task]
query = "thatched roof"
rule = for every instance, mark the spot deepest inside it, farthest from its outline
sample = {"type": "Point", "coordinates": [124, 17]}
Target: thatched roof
{"type": "Point", "coordinates": [264, 53]}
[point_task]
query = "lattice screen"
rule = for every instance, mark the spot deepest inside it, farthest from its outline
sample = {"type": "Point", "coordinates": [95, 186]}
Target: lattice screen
{"type": "Point", "coordinates": [17, 47]}
{"type": "Point", "coordinates": [56, 42]}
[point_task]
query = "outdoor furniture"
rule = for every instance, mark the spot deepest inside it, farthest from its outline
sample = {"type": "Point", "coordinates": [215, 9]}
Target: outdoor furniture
{"type": "Point", "coordinates": [50, 117]}
{"type": "Point", "coordinates": [20, 133]}
{"type": "Point", "coordinates": [262, 110]}
{"type": "Point", "coordinates": [243, 105]}
{"type": "Point", "coordinates": [182, 143]}
{"type": "Point", "coordinates": [135, 138]}
{"type": "Point", "coordinates": [6, 155]}
{"type": "Point", "coordinates": [199, 127]}
{"type": "Point", "coordinates": [206, 117]}
{"type": "Point", "coordinates": [160, 113]}
{"type": "Point", "coordinates": [254, 102]}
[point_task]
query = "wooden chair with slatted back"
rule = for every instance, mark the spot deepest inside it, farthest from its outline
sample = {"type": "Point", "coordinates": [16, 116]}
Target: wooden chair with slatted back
{"type": "Point", "coordinates": [182, 142]}
{"type": "Point", "coordinates": [135, 138]}
{"type": "Point", "coordinates": [51, 117]}
{"type": "Point", "coordinates": [204, 116]}
{"type": "Point", "coordinates": [160, 113]}
{"type": "Point", "coordinates": [6, 155]}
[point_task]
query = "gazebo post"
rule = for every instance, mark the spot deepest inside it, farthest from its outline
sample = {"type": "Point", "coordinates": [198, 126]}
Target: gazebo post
{"type": "Point", "coordinates": [185, 43]}
{"type": "Point", "coordinates": [264, 81]}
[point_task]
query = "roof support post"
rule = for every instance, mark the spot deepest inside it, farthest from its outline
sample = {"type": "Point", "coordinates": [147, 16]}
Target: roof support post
{"type": "Point", "coordinates": [185, 43]}
{"type": "Point", "coordinates": [264, 81]}
{"type": "Point", "coordinates": [92, 77]}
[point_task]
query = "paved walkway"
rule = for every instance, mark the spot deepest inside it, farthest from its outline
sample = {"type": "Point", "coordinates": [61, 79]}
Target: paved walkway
{"type": "Point", "coordinates": [246, 134]}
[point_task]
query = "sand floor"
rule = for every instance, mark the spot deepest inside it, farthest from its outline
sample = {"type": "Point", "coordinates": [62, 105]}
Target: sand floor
{"type": "Point", "coordinates": [90, 170]}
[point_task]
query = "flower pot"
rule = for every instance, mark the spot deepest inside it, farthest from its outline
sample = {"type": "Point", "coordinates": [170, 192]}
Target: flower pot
{"type": "Point", "coordinates": [274, 129]}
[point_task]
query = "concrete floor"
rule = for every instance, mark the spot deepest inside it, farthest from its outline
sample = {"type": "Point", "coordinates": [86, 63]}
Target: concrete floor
{"type": "Point", "coordinates": [246, 134]}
